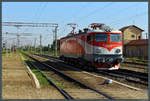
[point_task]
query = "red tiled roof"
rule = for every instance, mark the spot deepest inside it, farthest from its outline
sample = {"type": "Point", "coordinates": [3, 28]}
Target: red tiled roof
{"type": "Point", "coordinates": [123, 28]}
{"type": "Point", "coordinates": [137, 42]}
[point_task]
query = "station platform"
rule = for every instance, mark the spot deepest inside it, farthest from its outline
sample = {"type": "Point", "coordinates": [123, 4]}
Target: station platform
{"type": "Point", "coordinates": [17, 84]}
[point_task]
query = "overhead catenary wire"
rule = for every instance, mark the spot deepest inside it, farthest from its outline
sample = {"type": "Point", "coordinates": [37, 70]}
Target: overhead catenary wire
{"type": "Point", "coordinates": [119, 21]}
{"type": "Point", "coordinates": [38, 13]}
{"type": "Point", "coordinates": [119, 12]}
{"type": "Point", "coordinates": [94, 11]}
{"type": "Point", "coordinates": [114, 15]}
{"type": "Point", "coordinates": [76, 13]}
{"type": "Point", "coordinates": [35, 16]}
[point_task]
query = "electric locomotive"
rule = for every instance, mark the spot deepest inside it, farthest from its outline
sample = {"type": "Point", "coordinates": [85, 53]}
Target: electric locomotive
{"type": "Point", "coordinates": [98, 48]}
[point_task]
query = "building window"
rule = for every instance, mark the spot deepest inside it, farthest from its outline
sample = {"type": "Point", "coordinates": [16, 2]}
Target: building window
{"type": "Point", "coordinates": [139, 37]}
{"type": "Point", "coordinates": [132, 36]}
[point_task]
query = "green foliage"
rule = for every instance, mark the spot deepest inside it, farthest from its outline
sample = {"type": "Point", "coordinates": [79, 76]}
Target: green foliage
{"type": "Point", "coordinates": [136, 60]}
{"type": "Point", "coordinates": [41, 79]}
{"type": "Point", "coordinates": [53, 45]}
{"type": "Point", "coordinates": [45, 48]}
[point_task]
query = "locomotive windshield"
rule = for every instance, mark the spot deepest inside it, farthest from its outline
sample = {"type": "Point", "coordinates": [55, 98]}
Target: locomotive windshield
{"type": "Point", "coordinates": [115, 37]}
{"type": "Point", "coordinates": [101, 37]}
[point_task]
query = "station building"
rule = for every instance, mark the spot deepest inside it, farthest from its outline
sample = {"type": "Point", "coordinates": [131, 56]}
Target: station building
{"type": "Point", "coordinates": [136, 48]}
{"type": "Point", "coordinates": [133, 44]}
{"type": "Point", "coordinates": [131, 32]}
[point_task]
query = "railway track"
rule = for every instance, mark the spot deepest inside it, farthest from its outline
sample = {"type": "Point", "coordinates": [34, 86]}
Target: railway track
{"type": "Point", "coordinates": [133, 63]}
{"type": "Point", "coordinates": [66, 95]}
{"type": "Point", "coordinates": [127, 75]}
{"type": "Point", "coordinates": [63, 92]}
{"type": "Point", "coordinates": [121, 74]}
{"type": "Point", "coordinates": [135, 66]}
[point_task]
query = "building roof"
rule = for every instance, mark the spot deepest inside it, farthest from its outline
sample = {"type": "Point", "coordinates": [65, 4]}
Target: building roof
{"type": "Point", "coordinates": [124, 28]}
{"type": "Point", "coordinates": [137, 42]}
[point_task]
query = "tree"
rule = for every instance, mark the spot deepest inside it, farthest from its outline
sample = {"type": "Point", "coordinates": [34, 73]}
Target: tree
{"type": "Point", "coordinates": [53, 45]}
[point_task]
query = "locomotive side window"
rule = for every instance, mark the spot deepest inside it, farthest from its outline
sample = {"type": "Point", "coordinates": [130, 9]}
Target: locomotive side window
{"type": "Point", "coordinates": [115, 37]}
{"type": "Point", "coordinates": [92, 38]}
{"type": "Point", "coordinates": [88, 38]}
{"type": "Point", "coordinates": [82, 38]}
{"type": "Point", "coordinates": [101, 37]}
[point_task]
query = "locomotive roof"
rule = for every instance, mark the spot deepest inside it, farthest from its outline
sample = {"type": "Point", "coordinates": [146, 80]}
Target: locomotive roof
{"type": "Point", "coordinates": [74, 35]}
{"type": "Point", "coordinates": [82, 33]}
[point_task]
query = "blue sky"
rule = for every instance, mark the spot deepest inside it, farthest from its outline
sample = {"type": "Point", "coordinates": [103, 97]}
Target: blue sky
{"type": "Point", "coordinates": [114, 14]}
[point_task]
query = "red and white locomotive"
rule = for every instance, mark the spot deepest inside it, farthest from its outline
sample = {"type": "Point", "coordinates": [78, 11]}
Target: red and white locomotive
{"type": "Point", "coordinates": [98, 48]}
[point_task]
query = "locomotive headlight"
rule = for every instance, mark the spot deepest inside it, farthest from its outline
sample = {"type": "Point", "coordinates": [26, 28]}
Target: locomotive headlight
{"type": "Point", "coordinates": [118, 51]}
{"type": "Point", "coordinates": [98, 51]}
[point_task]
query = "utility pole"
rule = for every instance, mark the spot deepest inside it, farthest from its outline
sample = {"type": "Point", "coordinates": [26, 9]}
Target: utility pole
{"type": "Point", "coordinates": [6, 45]}
{"type": "Point", "coordinates": [146, 35]}
{"type": "Point", "coordinates": [56, 41]}
{"type": "Point", "coordinates": [40, 44]}
{"type": "Point", "coordinates": [35, 44]}
{"type": "Point", "coordinates": [53, 41]}
{"type": "Point", "coordinates": [31, 47]}
{"type": "Point", "coordinates": [13, 46]}
{"type": "Point", "coordinates": [18, 41]}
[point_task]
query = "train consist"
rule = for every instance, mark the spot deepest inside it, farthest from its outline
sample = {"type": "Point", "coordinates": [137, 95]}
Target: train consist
{"type": "Point", "coordinates": [96, 48]}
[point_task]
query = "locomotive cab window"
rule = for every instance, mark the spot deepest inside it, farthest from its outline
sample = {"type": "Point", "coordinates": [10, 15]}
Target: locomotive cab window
{"type": "Point", "coordinates": [101, 37]}
{"type": "Point", "coordinates": [115, 37]}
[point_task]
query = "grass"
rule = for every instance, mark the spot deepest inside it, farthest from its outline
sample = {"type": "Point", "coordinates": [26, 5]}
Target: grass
{"type": "Point", "coordinates": [51, 53]}
{"type": "Point", "coordinates": [63, 84]}
{"type": "Point", "coordinates": [136, 60]}
{"type": "Point", "coordinates": [40, 78]}
{"type": "Point", "coordinates": [59, 84]}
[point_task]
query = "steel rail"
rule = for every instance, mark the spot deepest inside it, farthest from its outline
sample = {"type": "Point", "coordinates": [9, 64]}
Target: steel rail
{"type": "Point", "coordinates": [133, 74]}
{"type": "Point", "coordinates": [74, 80]}
{"type": "Point", "coordinates": [124, 77]}
{"type": "Point", "coordinates": [134, 63]}
{"type": "Point", "coordinates": [121, 73]}
{"type": "Point", "coordinates": [110, 75]}
{"type": "Point", "coordinates": [63, 92]}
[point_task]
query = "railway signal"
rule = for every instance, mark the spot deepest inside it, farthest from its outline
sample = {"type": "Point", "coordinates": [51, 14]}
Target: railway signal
{"type": "Point", "coordinates": [4, 45]}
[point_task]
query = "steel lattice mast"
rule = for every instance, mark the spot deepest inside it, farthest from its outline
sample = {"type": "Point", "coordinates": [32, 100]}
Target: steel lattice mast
{"type": "Point", "coordinates": [27, 24]}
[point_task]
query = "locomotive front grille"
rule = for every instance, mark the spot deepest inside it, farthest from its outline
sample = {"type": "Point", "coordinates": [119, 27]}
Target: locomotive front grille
{"type": "Point", "coordinates": [108, 58]}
